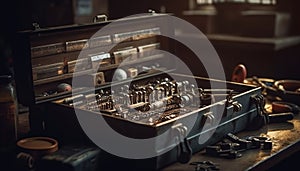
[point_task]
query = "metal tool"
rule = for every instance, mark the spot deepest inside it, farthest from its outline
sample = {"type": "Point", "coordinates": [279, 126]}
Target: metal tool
{"type": "Point", "coordinates": [264, 143]}
{"type": "Point", "coordinates": [281, 106]}
{"type": "Point", "coordinates": [232, 150]}
{"type": "Point", "coordinates": [243, 144]}
{"type": "Point", "coordinates": [252, 142]}
{"type": "Point", "coordinates": [205, 166]}
{"type": "Point", "coordinates": [217, 151]}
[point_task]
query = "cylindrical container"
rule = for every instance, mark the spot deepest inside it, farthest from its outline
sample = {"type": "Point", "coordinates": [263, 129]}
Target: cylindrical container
{"type": "Point", "coordinates": [8, 112]}
{"type": "Point", "coordinates": [31, 150]}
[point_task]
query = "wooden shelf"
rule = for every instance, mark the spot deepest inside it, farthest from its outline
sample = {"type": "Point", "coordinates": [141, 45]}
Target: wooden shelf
{"type": "Point", "coordinates": [83, 90]}
{"type": "Point", "coordinates": [60, 77]}
{"type": "Point", "coordinates": [104, 68]}
{"type": "Point", "coordinates": [139, 60]}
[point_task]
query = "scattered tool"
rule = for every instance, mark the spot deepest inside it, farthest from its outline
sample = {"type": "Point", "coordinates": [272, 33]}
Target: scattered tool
{"type": "Point", "coordinates": [288, 90]}
{"type": "Point", "coordinates": [260, 142]}
{"type": "Point", "coordinates": [280, 107]}
{"type": "Point", "coordinates": [233, 149]}
{"type": "Point", "coordinates": [281, 112]}
{"type": "Point", "coordinates": [205, 166]}
{"type": "Point", "coordinates": [219, 151]}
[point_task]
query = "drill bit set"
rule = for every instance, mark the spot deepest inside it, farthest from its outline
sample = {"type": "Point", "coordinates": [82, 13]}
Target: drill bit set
{"type": "Point", "coordinates": [150, 102]}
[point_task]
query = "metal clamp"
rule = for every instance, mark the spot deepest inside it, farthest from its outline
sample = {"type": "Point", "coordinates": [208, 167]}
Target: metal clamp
{"type": "Point", "coordinates": [208, 120]}
{"type": "Point", "coordinates": [184, 153]}
{"type": "Point", "coordinates": [231, 106]}
{"type": "Point", "coordinates": [237, 106]}
{"type": "Point", "coordinates": [262, 116]}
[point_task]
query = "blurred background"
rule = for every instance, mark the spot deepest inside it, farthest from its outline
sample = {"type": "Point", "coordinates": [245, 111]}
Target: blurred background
{"type": "Point", "coordinates": [262, 34]}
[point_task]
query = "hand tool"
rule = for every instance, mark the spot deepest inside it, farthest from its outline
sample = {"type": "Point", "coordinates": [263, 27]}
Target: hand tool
{"type": "Point", "coordinates": [205, 166]}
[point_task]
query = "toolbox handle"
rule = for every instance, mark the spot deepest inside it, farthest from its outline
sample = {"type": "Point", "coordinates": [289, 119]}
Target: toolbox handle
{"type": "Point", "coordinates": [96, 19]}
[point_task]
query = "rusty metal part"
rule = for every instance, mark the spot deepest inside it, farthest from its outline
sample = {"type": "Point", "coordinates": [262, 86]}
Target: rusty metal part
{"type": "Point", "coordinates": [280, 106]}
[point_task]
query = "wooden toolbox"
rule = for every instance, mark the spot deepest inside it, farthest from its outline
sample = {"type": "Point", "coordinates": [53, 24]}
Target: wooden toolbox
{"type": "Point", "coordinates": [123, 77]}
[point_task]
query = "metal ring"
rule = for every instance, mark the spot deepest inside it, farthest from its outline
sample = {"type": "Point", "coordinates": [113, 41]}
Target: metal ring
{"type": "Point", "coordinates": [287, 85]}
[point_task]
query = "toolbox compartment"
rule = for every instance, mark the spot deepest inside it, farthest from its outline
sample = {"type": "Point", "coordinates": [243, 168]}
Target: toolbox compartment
{"type": "Point", "coordinates": [189, 124]}
{"type": "Point", "coordinates": [231, 122]}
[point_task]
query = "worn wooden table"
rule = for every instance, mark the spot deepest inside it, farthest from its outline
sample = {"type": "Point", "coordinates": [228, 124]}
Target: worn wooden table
{"type": "Point", "coordinates": [286, 142]}
{"type": "Point", "coordinates": [285, 137]}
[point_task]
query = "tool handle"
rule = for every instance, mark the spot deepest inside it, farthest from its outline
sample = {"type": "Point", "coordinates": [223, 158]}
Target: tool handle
{"type": "Point", "coordinates": [280, 117]}
{"type": "Point", "coordinates": [280, 107]}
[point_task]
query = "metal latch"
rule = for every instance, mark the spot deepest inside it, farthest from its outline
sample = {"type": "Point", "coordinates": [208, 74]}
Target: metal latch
{"type": "Point", "coordinates": [231, 106]}
{"type": "Point", "coordinates": [262, 117]}
{"type": "Point", "coordinates": [99, 18]}
{"type": "Point", "coordinates": [236, 106]}
{"type": "Point", "coordinates": [208, 120]}
{"type": "Point", "coordinates": [36, 26]}
{"type": "Point", "coordinates": [184, 152]}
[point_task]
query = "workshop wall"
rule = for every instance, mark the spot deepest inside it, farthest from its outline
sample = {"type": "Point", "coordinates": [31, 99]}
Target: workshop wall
{"type": "Point", "coordinates": [280, 20]}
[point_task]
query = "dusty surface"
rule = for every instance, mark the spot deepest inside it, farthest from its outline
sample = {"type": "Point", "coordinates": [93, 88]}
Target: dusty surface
{"type": "Point", "coordinates": [283, 135]}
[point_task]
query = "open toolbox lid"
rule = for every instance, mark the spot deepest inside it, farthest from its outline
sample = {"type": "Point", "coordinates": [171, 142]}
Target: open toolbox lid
{"type": "Point", "coordinates": [45, 60]}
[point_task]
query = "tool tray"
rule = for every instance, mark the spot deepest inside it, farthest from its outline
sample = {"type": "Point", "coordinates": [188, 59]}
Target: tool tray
{"type": "Point", "coordinates": [153, 99]}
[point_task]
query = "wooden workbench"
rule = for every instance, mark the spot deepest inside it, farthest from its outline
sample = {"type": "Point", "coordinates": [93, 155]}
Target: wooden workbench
{"type": "Point", "coordinates": [286, 142]}
{"type": "Point", "coordinates": [285, 137]}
